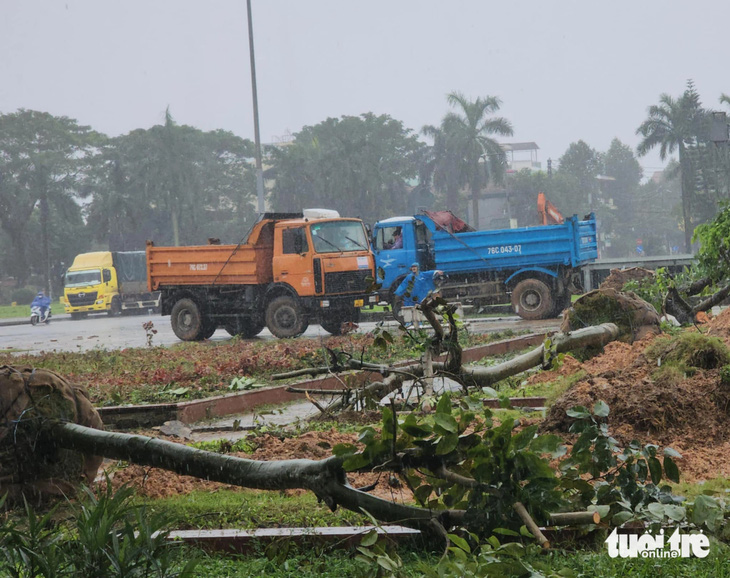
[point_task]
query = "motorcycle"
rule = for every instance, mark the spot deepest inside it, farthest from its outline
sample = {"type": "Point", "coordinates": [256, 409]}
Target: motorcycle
{"type": "Point", "coordinates": [36, 316]}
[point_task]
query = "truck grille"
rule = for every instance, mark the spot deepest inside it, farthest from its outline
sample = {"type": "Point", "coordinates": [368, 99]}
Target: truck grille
{"type": "Point", "coordinates": [347, 281]}
{"type": "Point", "coordinates": [81, 299]}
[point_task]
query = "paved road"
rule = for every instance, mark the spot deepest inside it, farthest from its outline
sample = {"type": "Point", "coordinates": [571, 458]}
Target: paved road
{"type": "Point", "coordinates": [102, 332]}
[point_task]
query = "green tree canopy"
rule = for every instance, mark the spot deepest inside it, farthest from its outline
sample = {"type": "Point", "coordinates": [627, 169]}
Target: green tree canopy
{"type": "Point", "coordinates": [675, 124]}
{"type": "Point", "coordinates": [358, 165]}
{"type": "Point", "coordinates": [44, 163]}
{"type": "Point", "coordinates": [465, 151]}
{"type": "Point", "coordinates": [174, 184]}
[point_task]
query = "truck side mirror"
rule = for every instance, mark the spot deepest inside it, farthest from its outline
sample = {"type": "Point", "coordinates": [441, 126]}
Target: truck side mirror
{"type": "Point", "coordinates": [106, 275]}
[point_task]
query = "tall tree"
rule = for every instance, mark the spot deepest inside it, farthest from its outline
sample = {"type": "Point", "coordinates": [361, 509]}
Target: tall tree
{"type": "Point", "coordinates": [175, 184]}
{"type": "Point", "coordinates": [583, 163]}
{"type": "Point", "coordinates": [44, 161]}
{"type": "Point", "coordinates": [359, 165]}
{"type": "Point", "coordinates": [468, 140]}
{"type": "Point", "coordinates": [674, 124]}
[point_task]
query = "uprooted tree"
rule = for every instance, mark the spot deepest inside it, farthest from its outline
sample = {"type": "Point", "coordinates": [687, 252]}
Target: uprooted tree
{"type": "Point", "coordinates": [463, 470]}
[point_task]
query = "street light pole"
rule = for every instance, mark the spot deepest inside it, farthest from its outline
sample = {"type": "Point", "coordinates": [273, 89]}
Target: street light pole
{"type": "Point", "coordinates": [257, 137]}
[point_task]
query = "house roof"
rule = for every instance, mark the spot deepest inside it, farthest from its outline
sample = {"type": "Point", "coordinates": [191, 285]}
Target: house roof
{"type": "Point", "coordinates": [520, 146]}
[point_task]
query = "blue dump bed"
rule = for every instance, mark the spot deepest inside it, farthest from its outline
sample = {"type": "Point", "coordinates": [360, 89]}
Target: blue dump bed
{"type": "Point", "coordinates": [572, 244]}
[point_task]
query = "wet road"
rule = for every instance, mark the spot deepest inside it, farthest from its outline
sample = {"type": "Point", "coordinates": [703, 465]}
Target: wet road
{"type": "Point", "coordinates": [102, 332]}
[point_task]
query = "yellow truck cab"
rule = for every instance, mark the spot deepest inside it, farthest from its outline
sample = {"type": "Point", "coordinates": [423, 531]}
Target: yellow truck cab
{"type": "Point", "coordinates": [106, 281]}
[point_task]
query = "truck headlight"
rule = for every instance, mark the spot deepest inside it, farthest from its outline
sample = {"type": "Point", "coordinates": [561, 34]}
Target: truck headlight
{"type": "Point", "coordinates": [373, 299]}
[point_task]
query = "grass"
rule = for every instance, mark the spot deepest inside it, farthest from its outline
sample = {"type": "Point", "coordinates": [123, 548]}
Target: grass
{"type": "Point", "coordinates": [248, 509]}
{"type": "Point", "coordinates": [10, 312]}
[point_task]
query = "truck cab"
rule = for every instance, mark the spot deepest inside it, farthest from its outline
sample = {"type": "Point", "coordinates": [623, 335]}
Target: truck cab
{"type": "Point", "coordinates": [393, 258]}
{"type": "Point", "coordinates": [91, 284]}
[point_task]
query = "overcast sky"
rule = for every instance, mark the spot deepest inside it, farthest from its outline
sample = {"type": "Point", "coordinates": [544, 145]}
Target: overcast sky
{"type": "Point", "coordinates": [564, 70]}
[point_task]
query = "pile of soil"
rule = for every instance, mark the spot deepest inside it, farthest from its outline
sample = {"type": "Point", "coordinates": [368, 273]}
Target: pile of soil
{"type": "Point", "coordinates": [314, 445]}
{"type": "Point", "coordinates": [688, 412]}
{"type": "Point", "coordinates": [29, 398]}
{"type": "Point", "coordinates": [619, 277]}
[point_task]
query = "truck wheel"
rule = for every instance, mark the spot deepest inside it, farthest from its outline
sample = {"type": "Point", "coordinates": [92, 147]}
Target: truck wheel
{"type": "Point", "coordinates": [532, 299]}
{"type": "Point", "coordinates": [208, 330]}
{"type": "Point", "coordinates": [115, 308]}
{"type": "Point", "coordinates": [245, 327]}
{"type": "Point", "coordinates": [187, 320]}
{"type": "Point", "coordinates": [285, 318]}
{"type": "Point", "coordinates": [333, 323]}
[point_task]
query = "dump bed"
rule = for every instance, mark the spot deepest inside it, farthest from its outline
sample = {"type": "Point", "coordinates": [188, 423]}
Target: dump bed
{"type": "Point", "coordinates": [131, 267]}
{"type": "Point", "coordinates": [571, 243]}
{"type": "Point", "coordinates": [208, 265]}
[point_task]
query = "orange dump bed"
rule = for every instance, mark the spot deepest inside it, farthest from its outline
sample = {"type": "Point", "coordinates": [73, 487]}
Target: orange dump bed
{"type": "Point", "coordinates": [208, 265]}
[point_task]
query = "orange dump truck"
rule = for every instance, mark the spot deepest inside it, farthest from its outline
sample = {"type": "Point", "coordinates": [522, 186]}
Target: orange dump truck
{"type": "Point", "coordinates": [293, 269]}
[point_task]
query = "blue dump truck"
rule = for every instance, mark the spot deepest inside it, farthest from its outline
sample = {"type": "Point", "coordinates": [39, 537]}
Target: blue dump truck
{"type": "Point", "coordinates": [537, 269]}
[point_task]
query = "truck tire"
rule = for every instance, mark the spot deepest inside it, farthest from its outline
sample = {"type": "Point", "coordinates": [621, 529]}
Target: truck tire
{"type": "Point", "coordinates": [244, 327]}
{"type": "Point", "coordinates": [208, 330]}
{"type": "Point", "coordinates": [532, 299]}
{"type": "Point", "coordinates": [115, 308]}
{"type": "Point", "coordinates": [187, 320]}
{"type": "Point", "coordinates": [285, 318]}
{"type": "Point", "coordinates": [333, 323]}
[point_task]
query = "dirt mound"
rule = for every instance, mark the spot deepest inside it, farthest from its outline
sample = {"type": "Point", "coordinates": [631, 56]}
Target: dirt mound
{"type": "Point", "coordinates": [634, 317]}
{"type": "Point", "coordinates": [619, 277]}
{"type": "Point", "coordinates": [29, 398]}
{"type": "Point", "coordinates": [658, 392]}
{"type": "Point", "coordinates": [720, 325]}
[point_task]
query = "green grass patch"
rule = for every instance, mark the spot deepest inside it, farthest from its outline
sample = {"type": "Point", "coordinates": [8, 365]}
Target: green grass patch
{"type": "Point", "coordinates": [10, 312]}
{"type": "Point", "coordinates": [248, 509]}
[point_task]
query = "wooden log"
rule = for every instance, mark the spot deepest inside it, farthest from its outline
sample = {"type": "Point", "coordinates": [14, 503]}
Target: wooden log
{"type": "Point", "coordinates": [575, 518]}
{"type": "Point", "coordinates": [531, 525]}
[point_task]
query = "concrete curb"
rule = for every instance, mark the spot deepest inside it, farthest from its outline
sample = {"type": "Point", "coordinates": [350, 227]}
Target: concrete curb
{"type": "Point", "coordinates": [130, 417]}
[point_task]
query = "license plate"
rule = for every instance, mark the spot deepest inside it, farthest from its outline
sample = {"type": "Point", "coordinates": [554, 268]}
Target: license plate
{"type": "Point", "coordinates": [359, 302]}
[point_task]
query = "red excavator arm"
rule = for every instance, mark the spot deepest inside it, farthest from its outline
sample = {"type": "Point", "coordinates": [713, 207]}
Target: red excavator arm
{"type": "Point", "coordinates": [548, 213]}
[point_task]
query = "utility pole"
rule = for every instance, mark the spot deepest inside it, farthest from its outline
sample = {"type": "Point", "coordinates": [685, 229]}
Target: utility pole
{"type": "Point", "coordinates": [257, 137]}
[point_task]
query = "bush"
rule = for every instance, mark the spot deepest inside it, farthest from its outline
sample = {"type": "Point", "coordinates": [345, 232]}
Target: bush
{"type": "Point", "coordinates": [23, 295]}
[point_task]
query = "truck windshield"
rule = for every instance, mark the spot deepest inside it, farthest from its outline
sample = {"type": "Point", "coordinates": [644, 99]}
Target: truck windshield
{"type": "Point", "coordinates": [82, 278]}
{"type": "Point", "coordinates": [339, 237]}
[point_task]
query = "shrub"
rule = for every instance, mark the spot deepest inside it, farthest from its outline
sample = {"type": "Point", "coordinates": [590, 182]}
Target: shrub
{"type": "Point", "coordinates": [23, 295]}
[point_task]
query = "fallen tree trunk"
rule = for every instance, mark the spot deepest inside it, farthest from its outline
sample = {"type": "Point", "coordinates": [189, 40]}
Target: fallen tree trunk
{"type": "Point", "coordinates": [325, 478]}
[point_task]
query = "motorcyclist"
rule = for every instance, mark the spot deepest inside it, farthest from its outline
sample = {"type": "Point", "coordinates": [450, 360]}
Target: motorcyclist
{"type": "Point", "coordinates": [43, 303]}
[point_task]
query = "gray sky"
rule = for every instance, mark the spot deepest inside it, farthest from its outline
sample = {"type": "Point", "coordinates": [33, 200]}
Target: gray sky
{"type": "Point", "coordinates": [565, 70]}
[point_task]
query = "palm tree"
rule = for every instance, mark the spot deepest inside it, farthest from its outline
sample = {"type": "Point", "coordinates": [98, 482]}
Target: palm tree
{"type": "Point", "coordinates": [468, 150]}
{"type": "Point", "coordinates": [672, 125]}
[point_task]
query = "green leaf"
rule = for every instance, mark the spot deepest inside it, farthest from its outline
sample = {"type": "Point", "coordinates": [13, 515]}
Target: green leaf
{"type": "Point", "coordinates": [460, 542]}
{"type": "Point", "coordinates": [180, 391]}
{"type": "Point", "coordinates": [344, 449]}
{"type": "Point", "coordinates": [447, 444]}
{"type": "Point", "coordinates": [355, 462]}
{"type": "Point", "coordinates": [655, 469]}
{"type": "Point", "coordinates": [444, 404]}
{"type": "Point", "coordinates": [578, 412]}
{"type": "Point", "coordinates": [546, 444]}
{"type": "Point", "coordinates": [423, 492]}
{"type": "Point", "coordinates": [525, 532]}
{"type": "Point", "coordinates": [671, 469]}
{"type": "Point", "coordinates": [672, 453]}
{"type": "Point", "coordinates": [674, 512]}
{"type": "Point", "coordinates": [621, 517]}
{"type": "Point", "coordinates": [446, 422]}
{"type": "Point", "coordinates": [601, 409]}
{"type": "Point", "coordinates": [657, 510]}
{"type": "Point", "coordinates": [523, 439]}
{"type": "Point", "coordinates": [491, 392]}
{"type": "Point", "coordinates": [369, 539]}
{"type": "Point", "coordinates": [603, 511]}
{"type": "Point", "coordinates": [505, 532]}
{"type": "Point", "coordinates": [417, 430]}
